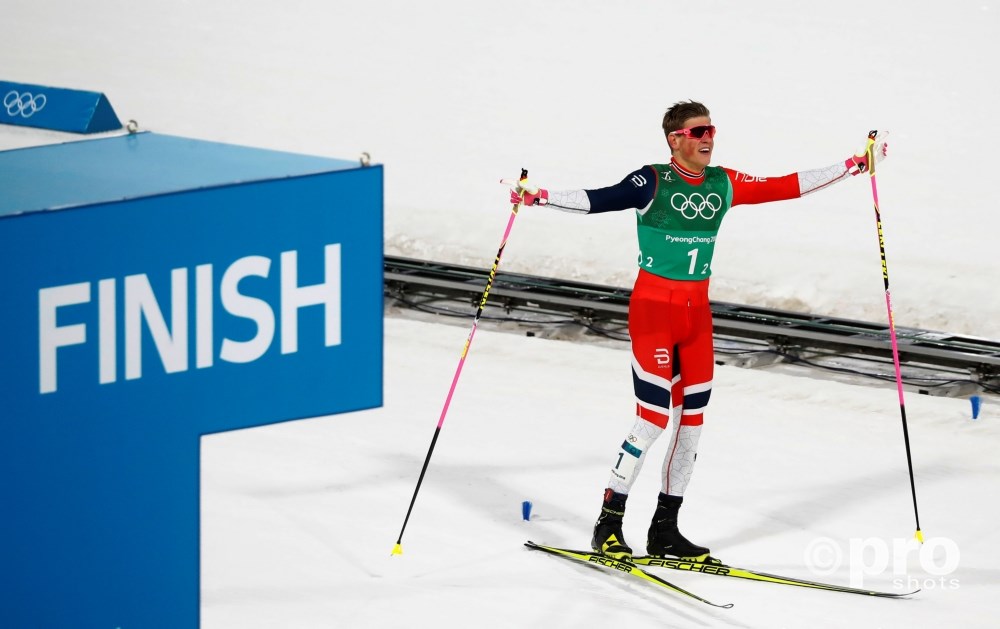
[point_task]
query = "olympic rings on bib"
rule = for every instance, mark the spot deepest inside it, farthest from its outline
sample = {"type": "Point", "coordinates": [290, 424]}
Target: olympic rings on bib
{"type": "Point", "coordinates": [696, 204]}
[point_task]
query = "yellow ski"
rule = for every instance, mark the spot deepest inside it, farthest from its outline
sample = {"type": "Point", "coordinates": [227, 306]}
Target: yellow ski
{"type": "Point", "coordinates": [626, 567]}
{"type": "Point", "coordinates": [721, 569]}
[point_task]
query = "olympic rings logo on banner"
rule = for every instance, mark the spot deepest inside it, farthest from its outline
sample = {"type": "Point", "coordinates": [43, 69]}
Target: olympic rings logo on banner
{"type": "Point", "coordinates": [25, 105]}
{"type": "Point", "coordinates": [696, 204]}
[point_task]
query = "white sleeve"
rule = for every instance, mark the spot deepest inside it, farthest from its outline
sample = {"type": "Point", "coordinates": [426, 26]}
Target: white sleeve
{"type": "Point", "coordinates": [575, 201]}
{"type": "Point", "coordinates": [819, 178]}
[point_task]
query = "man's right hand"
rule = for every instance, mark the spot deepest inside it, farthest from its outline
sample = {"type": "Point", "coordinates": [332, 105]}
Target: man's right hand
{"type": "Point", "coordinates": [526, 194]}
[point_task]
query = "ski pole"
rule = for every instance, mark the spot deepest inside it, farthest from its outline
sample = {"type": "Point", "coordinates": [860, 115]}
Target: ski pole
{"type": "Point", "coordinates": [892, 327]}
{"type": "Point", "coordinates": [398, 549]}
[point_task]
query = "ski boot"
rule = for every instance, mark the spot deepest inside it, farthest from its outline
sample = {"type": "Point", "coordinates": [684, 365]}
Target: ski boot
{"type": "Point", "coordinates": [608, 537]}
{"type": "Point", "coordinates": [664, 539]}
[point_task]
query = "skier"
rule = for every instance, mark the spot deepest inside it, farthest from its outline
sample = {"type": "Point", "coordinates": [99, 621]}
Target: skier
{"type": "Point", "coordinates": [679, 208]}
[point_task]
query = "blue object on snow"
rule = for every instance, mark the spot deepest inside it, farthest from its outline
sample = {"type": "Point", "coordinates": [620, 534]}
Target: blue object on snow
{"type": "Point", "coordinates": [976, 403]}
{"type": "Point", "coordinates": [526, 510]}
{"type": "Point", "coordinates": [56, 108]}
{"type": "Point", "coordinates": [124, 262]}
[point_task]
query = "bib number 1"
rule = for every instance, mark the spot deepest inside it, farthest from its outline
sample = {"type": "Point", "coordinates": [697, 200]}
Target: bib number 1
{"type": "Point", "coordinates": [693, 254]}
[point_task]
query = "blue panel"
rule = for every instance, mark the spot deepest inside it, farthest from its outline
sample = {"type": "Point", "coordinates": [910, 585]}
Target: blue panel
{"type": "Point", "coordinates": [103, 404]}
{"type": "Point", "coordinates": [144, 164]}
{"type": "Point", "coordinates": [56, 108]}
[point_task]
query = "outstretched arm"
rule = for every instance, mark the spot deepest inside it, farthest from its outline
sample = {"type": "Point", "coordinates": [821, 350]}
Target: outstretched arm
{"type": "Point", "coordinates": [635, 191]}
{"type": "Point", "coordinates": [748, 189]}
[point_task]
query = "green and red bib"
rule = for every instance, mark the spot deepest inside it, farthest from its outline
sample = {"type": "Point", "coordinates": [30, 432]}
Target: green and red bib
{"type": "Point", "coordinates": [678, 230]}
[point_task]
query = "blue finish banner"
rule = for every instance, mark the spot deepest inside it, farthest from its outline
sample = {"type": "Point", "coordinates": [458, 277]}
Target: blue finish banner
{"type": "Point", "coordinates": [132, 327]}
{"type": "Point", "coordinates": [56, 108]}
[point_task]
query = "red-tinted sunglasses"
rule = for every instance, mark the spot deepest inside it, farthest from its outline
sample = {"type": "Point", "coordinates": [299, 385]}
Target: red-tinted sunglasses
{"type": "Point", "coordinates": [697, 132]}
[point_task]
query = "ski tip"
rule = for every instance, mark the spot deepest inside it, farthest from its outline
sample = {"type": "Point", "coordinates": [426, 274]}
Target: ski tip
{"type": "Point", "coordinates": [397, 549]}
{"type": "Point", "coordinates": [919, 535]}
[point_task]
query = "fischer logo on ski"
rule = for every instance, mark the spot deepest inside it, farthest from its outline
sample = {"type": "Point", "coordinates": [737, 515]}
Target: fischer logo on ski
{"type": "Point", "coordinates": [682, 564]}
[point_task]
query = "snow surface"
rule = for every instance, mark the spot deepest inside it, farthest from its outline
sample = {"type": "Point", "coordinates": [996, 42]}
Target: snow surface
{"type": "Point", "coordinates": [299, 518]}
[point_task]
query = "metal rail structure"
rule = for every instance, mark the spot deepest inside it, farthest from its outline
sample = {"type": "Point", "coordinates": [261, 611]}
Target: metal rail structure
{"type": "Point", "coordinates": [935, 363]}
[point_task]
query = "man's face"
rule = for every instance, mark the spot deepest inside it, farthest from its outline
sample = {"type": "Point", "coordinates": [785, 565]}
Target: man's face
{"type": "Point", "coordinates": [693, 153]}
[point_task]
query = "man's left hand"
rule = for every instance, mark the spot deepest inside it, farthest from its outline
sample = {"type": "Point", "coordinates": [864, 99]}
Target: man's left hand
{"type": "Point", "coordinates": [858, 163]}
